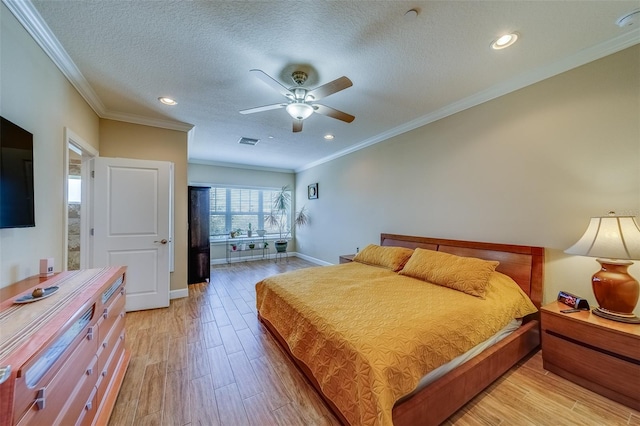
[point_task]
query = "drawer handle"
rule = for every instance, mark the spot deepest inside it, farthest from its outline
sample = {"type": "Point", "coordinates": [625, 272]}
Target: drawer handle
{"type": "Point", "coordinates": [104, 345]}
{"type": "Point", "coordinates": [5, 373]}
{"type": "Point", "coordinates": [104, 373]}
{"type": "Point", "coordinates": [105, 314]}
{"type": "Point", "coordinates": [89, 371]}
{"type": "Point", "coordinates": [122, 291]}
{"type": "Point", "coordinates": [89, 405]}
{"type": "Point", "coordinates": [90, 333]}
{"type": "Point", "coordinates": [40, 399]}
{"type": "Point", "coordinates": [122, 336]}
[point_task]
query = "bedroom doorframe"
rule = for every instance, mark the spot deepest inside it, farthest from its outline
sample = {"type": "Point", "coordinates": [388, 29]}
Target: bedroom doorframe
{"type": "Point", "coordinates": [75, 146]}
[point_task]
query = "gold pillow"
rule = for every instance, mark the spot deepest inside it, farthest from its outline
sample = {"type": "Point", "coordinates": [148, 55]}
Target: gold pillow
{"type": "Point", "coordinates": [392, 258]}
{"type": "Point", "coordinates": [467, 274]}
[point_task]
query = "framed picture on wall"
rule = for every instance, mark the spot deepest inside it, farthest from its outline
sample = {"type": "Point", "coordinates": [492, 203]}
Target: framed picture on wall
{"type": "Point", "coordinates": [312, 191]}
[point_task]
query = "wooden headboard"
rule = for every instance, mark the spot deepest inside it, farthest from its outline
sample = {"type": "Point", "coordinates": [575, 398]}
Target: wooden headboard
{"type": "Point", "coordinates": [524, 264]}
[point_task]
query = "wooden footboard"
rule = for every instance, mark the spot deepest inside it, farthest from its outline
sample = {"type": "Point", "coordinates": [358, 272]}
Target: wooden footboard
{"type": "Point", "coordinates": [438, 401]}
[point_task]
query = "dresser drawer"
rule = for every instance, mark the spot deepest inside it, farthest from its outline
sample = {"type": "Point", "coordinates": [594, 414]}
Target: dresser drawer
{"type": "Point", "coordinates": [108, 345]}
{"type": "Point", "coordinates": [110, 312]}
{"type": "Point", "coordinates": [106, 374]}
{"type": "Point", "coordinates": [76, 401]}
{"type": "Point", "coordinates": [89, 410]}
{"type": "Point", "coordinates": [43, 383]}
{"type": "Point", "coordinates": [79, 374]}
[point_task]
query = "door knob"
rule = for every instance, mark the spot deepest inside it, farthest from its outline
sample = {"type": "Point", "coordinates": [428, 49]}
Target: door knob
{"type": "Point", "coordinates": [162, 241]}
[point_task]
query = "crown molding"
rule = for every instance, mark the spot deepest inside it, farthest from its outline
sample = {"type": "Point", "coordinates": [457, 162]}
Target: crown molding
{"type": "Point", "coordinates": [146, 121]}
{"type": "Point", "coordinates": [238, 166]}
{"type": "Point", "coordinates": [528, 78]}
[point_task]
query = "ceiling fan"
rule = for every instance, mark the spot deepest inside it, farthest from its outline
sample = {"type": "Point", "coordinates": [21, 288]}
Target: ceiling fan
{"type": "Point", "coordinates": [301, 102]}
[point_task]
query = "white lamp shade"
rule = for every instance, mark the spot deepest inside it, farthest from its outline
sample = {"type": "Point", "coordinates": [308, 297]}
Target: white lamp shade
{"type": "Point", "coordinates": [299, 110]}
{"type": "Point", "coordinates": [611, 237]}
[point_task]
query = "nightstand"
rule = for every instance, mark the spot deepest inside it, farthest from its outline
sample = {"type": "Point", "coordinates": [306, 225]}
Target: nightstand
{"type": "Point", "coordinates": [346, 258]}
{"type": "Point", "coordinates": [596, 353]}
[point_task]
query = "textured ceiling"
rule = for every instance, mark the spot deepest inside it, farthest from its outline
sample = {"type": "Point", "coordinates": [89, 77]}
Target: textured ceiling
{"type": "Point", "coordinates": [405, 71]}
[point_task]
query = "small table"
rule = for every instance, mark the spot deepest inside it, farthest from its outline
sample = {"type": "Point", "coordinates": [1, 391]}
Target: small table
{"type": "Point", "coordinates": [346, 258]}
{"type": "Point", "coordinates": [599, 354]}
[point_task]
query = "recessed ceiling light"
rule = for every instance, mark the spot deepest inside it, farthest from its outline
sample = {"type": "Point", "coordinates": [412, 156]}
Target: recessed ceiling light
{"type": "Point", "coordinates": [504, 41]}
{"type": "Point", "coordinates": [167, 101]}
{"type": "Point", "coordinates": [629, 19]}
{"type": "Point", "coordinates": [411, 14]}
{"type": "Point", "coordinates": [328, 137]}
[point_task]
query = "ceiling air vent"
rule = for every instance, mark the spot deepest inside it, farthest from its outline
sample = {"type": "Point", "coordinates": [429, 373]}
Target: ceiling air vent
{"type": "Point", "coordinates": [248, 141]}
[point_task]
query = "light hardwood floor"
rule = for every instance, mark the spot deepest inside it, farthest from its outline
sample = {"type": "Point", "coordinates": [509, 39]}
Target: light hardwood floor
{"type": "Point", "coordinates": [206, 360]}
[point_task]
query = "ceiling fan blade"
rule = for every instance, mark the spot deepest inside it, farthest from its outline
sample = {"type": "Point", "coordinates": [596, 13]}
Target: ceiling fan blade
{"type": "Point", "coordinates": [329, 88]}
{"type": "Point", "coordinates": [262, 108]}
{"type": "Point", "coordinates": [271, 82]}
{"type": "Point", "coordinates": [297, 126]}
{"type": "Point", "coordinates": [333, 113]}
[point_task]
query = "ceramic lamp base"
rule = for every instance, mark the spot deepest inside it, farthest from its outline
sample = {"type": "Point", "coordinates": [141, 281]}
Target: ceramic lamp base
{"type": "Point", "coordinates": [615, 290]}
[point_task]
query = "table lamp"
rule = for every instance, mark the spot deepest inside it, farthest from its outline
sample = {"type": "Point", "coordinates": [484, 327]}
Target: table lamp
{"type": "Point", "coordinates": [614, 241]}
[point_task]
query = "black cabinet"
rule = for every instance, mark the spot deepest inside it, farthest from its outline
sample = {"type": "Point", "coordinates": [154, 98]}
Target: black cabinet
{"type": "Point", "coordinates": [199, 248]}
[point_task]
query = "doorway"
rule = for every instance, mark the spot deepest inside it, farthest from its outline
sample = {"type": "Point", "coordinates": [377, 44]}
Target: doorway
{"type": "Point", "coordinates": [77, 196]}
{"type": "Point", "coordinates": [131, 223]}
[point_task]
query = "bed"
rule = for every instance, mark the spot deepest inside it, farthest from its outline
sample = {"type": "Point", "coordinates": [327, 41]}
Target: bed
{"type": "Point", "coordinates": [358, 384]}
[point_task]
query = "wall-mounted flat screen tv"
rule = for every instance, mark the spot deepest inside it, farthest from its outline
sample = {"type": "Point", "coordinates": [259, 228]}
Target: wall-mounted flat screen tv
{"type": "Point", "coordinates": [16, 176]}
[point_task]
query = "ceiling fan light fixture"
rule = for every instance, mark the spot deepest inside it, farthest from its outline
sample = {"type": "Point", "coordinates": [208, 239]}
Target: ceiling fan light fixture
{"type": "Point", "coordinates": [299, 110]}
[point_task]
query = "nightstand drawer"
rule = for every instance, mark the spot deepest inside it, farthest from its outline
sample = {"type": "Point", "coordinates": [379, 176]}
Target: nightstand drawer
{"type": "Point", "coordinates": [572, 326]}
{"type": "Point", "coordinates": [619, 375]}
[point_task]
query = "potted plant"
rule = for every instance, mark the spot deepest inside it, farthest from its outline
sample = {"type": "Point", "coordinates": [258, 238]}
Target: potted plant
{"type": "Point", "coordinates": [278, 217]}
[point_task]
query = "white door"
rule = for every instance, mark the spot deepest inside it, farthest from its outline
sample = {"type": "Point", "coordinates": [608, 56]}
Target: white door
{"type": "Point", "coordinates": [131, 225]}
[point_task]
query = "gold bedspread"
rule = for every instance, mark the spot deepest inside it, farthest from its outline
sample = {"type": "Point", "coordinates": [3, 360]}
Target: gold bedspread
{"type": "Point", "coordinates": [369, 334]}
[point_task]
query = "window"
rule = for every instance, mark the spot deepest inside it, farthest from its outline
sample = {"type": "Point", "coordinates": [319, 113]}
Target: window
{"type": "Point", "coordinates": [236, 208]}
{"type": "Point", "coordinates": [74, 189]}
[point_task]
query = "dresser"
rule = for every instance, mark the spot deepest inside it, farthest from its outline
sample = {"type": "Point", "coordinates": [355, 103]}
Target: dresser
{"type": "Point", "coordinates": [64, 356]}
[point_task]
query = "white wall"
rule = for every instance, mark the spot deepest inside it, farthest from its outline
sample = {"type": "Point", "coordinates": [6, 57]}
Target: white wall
{"type": "Point", "coordinates": [37, 97]}
{"type": "Point", "coordinates": [528, 168]}
{"type": "Point", "coordinates": [202, 174]}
